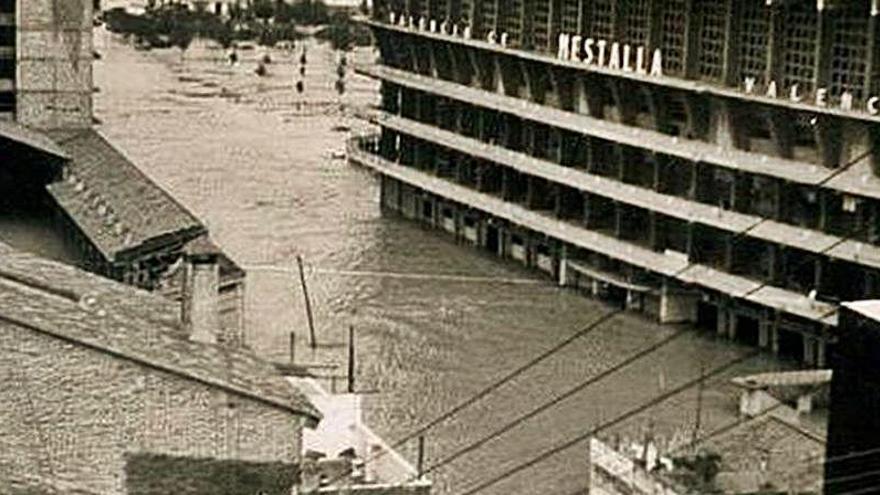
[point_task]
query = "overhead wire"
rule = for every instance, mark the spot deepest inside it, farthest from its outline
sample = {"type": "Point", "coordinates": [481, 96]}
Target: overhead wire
{"type": "Point", "coordinates": [608, 424]}
{"type": "Point", "coordinates": [553, 402]}
{"type": "Point", "coordinates": [492, 387]}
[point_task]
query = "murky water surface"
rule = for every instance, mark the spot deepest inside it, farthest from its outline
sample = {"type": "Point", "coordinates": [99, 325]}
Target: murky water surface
{"type": "Point", "coordinates": [254, 161]}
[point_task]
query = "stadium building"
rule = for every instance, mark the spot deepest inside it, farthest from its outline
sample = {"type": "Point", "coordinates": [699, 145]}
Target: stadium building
{"type": "Point", "coordinates": [705, 161]}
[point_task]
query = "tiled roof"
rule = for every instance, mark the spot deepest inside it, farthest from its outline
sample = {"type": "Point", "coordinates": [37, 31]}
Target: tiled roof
{"type": "Point", "coordinates": [28, 137]}
{"type": "Point", "coordinates": [766, 433]}
{"type": "Point", "coordinates": [70, 304]}
{"type": "Point", "coordinates": [768, 448]}
{"type": "Point", "coordinates": [17, 483]}
{"type": "Point", "coordinates": [115, 205]}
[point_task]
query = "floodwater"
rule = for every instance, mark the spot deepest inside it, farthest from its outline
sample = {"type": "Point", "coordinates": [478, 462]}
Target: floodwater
{"type": "Point", "coordinates": [435, 321]}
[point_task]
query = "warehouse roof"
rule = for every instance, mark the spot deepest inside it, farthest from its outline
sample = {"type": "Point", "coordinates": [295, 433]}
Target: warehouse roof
{"type": "Point", "coordinates": [69, 304]}
{"type": "Point", "coordinates": [115, 205]}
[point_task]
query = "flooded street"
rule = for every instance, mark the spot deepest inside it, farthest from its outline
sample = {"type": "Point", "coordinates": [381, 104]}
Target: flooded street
{"type": "Point", "coordinates": [435, 321]}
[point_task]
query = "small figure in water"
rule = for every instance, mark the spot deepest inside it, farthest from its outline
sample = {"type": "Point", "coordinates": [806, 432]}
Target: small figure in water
{"type": "Point", "coordinates": [233, 57]}
{"type": "Point", "coordinates": [267, 59]}
{"type": "Point", "coordinates": [261, 69]}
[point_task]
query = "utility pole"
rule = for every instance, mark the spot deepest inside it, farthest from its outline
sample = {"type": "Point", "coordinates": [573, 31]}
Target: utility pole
{"type": "Point", "coordinates": [421, 463]}
{"type": "Point", "coordinates": [698, 420]}
{"type": "Point", "coordinates": [351, 357]}
{"type": "Point", "coordinates": [302, 279]}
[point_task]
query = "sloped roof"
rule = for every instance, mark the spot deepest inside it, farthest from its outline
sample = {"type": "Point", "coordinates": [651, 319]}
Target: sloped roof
{"type": "Point", "coordinates": [18, 133]}
{"type": "Point", "coordinates": [768, 448]}
{"type": "Point", "coordinates": [15, 482]}
{"type": "Point", "coordinates": [115, 205]}
{"type": "Point", "coordinates": [69, 304]}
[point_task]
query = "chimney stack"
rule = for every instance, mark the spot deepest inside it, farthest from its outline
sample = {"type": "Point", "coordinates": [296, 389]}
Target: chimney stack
{"type": "Point", "coordinates": [201, 308]}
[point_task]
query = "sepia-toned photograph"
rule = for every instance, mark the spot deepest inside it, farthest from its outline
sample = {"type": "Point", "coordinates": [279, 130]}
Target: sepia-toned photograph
{"type": "Point", "coordinates": [439, 247]}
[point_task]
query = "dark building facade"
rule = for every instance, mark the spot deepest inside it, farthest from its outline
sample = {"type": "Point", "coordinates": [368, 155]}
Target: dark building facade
{"type": "Point", "coordinates": [699, 160]}
{"type": "Point", "coordinates": [854, 418]}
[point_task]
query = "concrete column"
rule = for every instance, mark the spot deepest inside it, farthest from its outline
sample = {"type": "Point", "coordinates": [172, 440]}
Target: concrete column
{"type": "Point", "coordinates": [721, 323]}
{"type": "Point", "coordinates": [586, 213]}
{"type": "Point", "coordinates": [618, 220]}
{"type": "Point", "coordinates": [764, 329]}
{"type": "Point", "coordinates": [582, 104]}
{"type": "Point", "coordinates": [551, 93]}
{"type": "Point", "coordinates": [527, 89]}
{"type": "Point", "coordinates": [653, 234]}
{"type": "Point", "coordinates": [432, 61]}
{"type": "Point", "coordinates": [732, 324]}
{"type": "Point", "coordinates": [821, 353]}
{"type": "Point", "coordinates": [632, 300]}
{"type": "Point", "coordinates": [435, 211]}
{"type": "Point", "coordinates": [499, 76]}
{"type": "Point", "coordinates": [809, 349]}
{"type": "Point", "coordinates": [677, 306]}
{"type": "Point", "coordinates": [723, 131]}
{"type": "Point", "coordinates": [563, 265]}
{"type": "Point", "coordinates": [557, 200]}
{"type": "Point", "coordinates": [531, 196]}
{"type": "Point", "coordinates": [805, 404]}
{"type": "Point", "coordinates": [505, 184]}
{"type": "Point", "coordinates": [774, 338]}
{"type": "Point", "coordinates": [503, 241]}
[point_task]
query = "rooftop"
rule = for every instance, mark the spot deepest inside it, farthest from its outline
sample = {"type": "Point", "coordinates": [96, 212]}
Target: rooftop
{"type": "Point", "coordinates": [115, 205]}
{"type": "Point", "coordinates": [12, 483]}
{"type": "Point", "coordinates": [768, 449]}
{"type": "Point", "coordinates": [130, 324]}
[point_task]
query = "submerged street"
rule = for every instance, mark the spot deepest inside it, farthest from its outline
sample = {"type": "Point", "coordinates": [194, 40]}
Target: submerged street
{"type": "Point", "coordinates": [435, 321]}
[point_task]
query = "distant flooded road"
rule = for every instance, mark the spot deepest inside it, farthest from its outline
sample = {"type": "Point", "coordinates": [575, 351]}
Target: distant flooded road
{"type": "Point", "coordinates": [435, 321]}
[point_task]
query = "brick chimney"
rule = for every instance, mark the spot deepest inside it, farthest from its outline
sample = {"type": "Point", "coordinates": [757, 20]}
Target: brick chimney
{"type": "Point", "coordinates": [200, 306]}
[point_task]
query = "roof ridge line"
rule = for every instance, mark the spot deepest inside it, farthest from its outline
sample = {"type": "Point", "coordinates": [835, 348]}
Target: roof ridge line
{"type": "Point", "coordinates": [38, 285]}
{"type": "Point", "coordinates": [149, 179]}
{"type": "Point", "coordinates": [174, 370]}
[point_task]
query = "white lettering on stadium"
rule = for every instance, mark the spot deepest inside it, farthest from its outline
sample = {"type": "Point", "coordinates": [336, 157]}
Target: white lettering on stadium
{"type": "Point", "coordinates": [613, 55]}
{"type": "Point", "coordinates": [819, 98]}
{"type": "Point", "coordinates": [639, 60]}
